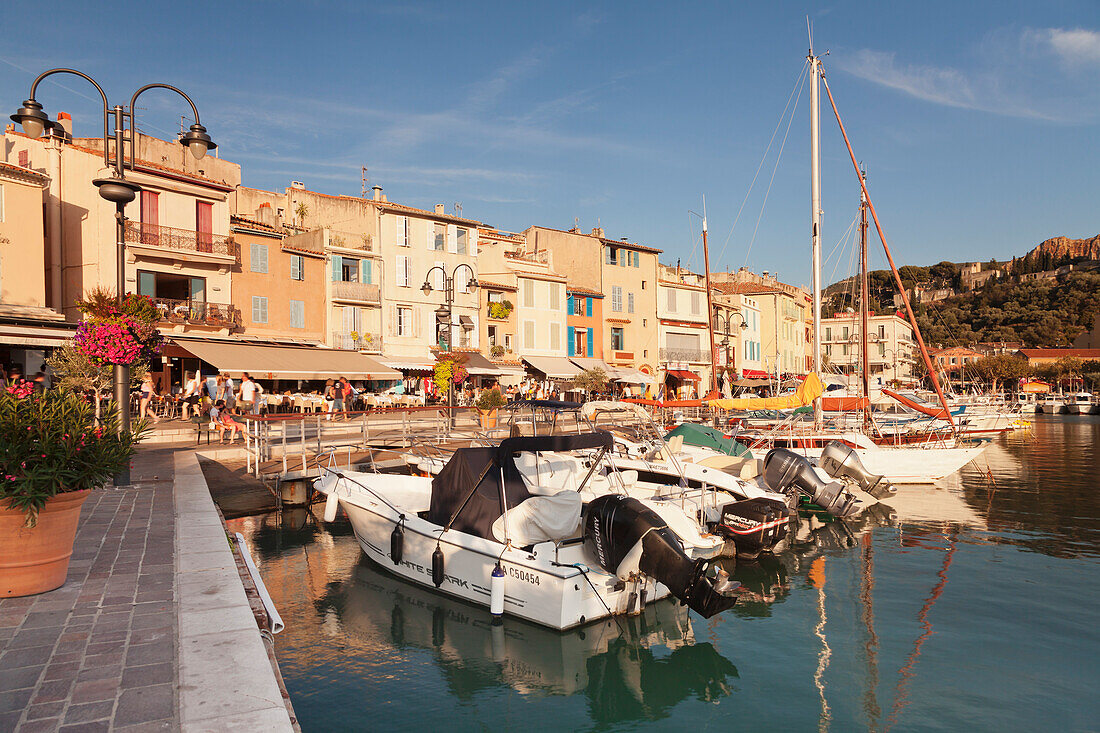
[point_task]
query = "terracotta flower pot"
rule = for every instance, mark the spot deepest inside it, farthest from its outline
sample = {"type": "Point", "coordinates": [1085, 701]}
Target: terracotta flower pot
{"type": "Point", "coordinates": [488, 418]}
{"type": "Point", "coordinates": [36, 560]}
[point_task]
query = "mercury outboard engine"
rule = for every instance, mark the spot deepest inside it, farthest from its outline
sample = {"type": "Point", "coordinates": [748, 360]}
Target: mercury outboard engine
{"type": "Point", "coordinates": [785, 471]}
{"type": "Point", "coordinates": [628, 537]}
{"type": "Point", "coordinates": [841, 461]}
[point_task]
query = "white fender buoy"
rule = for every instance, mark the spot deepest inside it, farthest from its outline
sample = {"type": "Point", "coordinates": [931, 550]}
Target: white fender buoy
{"type": "Point", "coordinates": [496, 592]}
{"type": "Point", "coordinates": [331, 505]}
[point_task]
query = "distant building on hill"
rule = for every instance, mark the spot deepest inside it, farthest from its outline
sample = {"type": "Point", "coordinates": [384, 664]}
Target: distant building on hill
{"type": "Point", "coordinates": [954, 359]}
{"type": "Point", "coordinates": [1038, 357]}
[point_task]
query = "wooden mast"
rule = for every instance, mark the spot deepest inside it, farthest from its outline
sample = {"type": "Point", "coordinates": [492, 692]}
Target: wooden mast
{"type": "Point", "coordinates": [893, 267]}
{"type": "Point", "coordinates": [710, 312]}
{"type": "Point", "coordinates": [863, 303]}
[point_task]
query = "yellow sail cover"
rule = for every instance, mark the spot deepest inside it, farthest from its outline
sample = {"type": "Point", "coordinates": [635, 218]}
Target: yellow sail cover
{"type": "Point", "coordinates": [807, 392]}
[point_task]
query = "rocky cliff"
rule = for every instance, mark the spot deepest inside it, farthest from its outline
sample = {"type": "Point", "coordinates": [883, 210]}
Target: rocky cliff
{"type": "Point", "coordinates": [1058, 247]}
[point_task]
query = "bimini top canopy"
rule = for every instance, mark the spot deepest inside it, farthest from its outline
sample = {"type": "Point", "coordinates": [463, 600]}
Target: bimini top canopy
{"type": "Point", "coordinates": [543, 404]}
{"type": "Point", "coordinates": [478, 484]}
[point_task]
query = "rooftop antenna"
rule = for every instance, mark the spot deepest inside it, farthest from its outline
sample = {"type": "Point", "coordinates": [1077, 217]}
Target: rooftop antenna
{"type": "Point", "coordinates": [366, 183]}
{"type": "Point", "coordinates": [458, 208]}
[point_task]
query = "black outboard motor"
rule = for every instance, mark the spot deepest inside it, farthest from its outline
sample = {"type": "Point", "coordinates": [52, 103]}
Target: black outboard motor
{"type": "Point", "coordinates": [785, 470]}
{"type": "Point", "coordinates": [841, 461]}
{"type": "Point", "coordinates": [626, 537]}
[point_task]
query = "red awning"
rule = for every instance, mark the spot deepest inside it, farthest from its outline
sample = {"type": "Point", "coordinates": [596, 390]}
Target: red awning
{"type": "Point", "coordinates": [754, 374]}
{"type": "Point", "coordinates": [843, 404]}
{"type": "Point", "coordinates": [683, 374]}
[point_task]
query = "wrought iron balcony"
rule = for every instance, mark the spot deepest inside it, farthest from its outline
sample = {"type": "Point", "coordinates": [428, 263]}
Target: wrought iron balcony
{"type": "Point", "coordinates": [198, 313]}
{"type": "Point", "coordinates": [359, 292]}
{"type": "Point", "coordinates": [689, 355]}
{"type": "Point", "coordinates": [356, 341]}
{"type": "Point", "coordinates": [185, 240]}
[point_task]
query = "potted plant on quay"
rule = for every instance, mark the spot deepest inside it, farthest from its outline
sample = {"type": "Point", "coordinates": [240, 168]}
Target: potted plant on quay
{"type": "Point", "coordinates": [52, 454]}
{"type": "Point", "coordinates": [487, 404]}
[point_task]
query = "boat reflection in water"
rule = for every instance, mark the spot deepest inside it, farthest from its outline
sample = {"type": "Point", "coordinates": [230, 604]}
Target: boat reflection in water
{"type": "Point", "coordinates": [628, 667]}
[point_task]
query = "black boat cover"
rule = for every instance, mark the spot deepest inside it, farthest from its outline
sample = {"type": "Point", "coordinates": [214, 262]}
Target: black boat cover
{"type": "Point", "coordinates": [467, 493]}
{"type": "Point", "coordinates": [546, 404]}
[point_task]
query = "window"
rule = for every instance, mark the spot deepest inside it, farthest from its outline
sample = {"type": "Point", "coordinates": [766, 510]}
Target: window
{"type": "Point", "coordinates": [828, 333]}
{"type": "Point", "coordinates": [630, 302]}
{"type": "Point", "coordinates": [345, 270]}
{"type": "Point", "coordinates": [204, 225]}
{"type": "Point", "coordinates": [404, 321]}
{"type": "Point", "coordinates": [461, 235]}
{"type": "Point", "coordinates": [616, 299]}
{"type": "Point", "coordinates": [259, 309]}
{"type": "Point", "coordinates": [555, 336]}
{"type": "Point", "coordinates": [297, 267]}
{"type": "Point", "coordinates": [528, 334]}
{"type": "Point", "coordinates": [555, 296]}
{"type": "Point", "coordinates": [577, 305]}
{"type": "Point", "coordinates": [528, 294]}
{"type": "Point", "coordinates": [401, 271]}
{"type": "Point", "coordinates": [403, 231]}
{"type": "Point", "coordinates": [297, 314]}
{"type": "Point", "coordinates": [643, 284]}
{"type": "Point", "coordinates": [671, 300]}
{"type": "Point", "coordinates": [507, 342]}
{"type": "Point", "coordinates": [439, 237]}
{"type": "Point", "coordinates": [637, 260]}
{"type": "Point", "coordinates": [696, 299]}
{"type": "Point", "coordinates": [617, 338]}
{"type": "Point", "coordinates": [492, 334]}
{"type": "Point", "coordinates": [882, 332]}
{"type": "Point", "coordinates": [258, 257]}
{"type": "Point", "coordinates": [645, 322]}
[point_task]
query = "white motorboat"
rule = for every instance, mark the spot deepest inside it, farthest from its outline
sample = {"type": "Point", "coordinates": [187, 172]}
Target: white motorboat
{"type": "Point", "coordinates": [1053, 404]}
{"type": "Point", "coordinates": [481, 530]}
{"type": "Point", "coordinates": [1028, 403]}
{"type": "Point", "coordinates": [1081, 403]}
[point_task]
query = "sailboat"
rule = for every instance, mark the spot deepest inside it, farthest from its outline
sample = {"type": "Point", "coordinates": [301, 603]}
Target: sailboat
{"type": "Point", "coordinates": [927, 462]}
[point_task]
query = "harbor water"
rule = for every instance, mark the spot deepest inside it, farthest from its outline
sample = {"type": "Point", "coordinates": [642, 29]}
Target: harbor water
{"type": "Point", "coordinates": [968, 606]}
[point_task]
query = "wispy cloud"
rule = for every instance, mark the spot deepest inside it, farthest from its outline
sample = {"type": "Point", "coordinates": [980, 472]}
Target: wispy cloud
{"type": "Point", "coordinates": [1016, 73]}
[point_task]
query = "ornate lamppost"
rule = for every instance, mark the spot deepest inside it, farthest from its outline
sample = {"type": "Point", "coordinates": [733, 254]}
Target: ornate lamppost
{"type": "Point", "coordinates": [443, 313]}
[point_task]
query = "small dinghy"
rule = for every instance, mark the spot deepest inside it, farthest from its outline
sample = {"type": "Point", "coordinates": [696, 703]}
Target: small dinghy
{"type": "Point", "coordinates": [477, 531]}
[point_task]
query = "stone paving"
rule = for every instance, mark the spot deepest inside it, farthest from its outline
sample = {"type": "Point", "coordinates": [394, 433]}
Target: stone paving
{"type": "Point", "coordinates": [101, 652]}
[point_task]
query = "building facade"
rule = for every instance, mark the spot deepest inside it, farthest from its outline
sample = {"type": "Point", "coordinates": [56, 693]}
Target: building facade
{"type": "Point", "coordinates": [683, 332]}
{"type": "Point", "coordinates": [890, 347]}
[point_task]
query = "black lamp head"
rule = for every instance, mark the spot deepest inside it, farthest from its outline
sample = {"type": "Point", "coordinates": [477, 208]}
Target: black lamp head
{"type": "Point", "coordinates": [197, 141]}
{"type": "Point", "coordinates": [32, 118]}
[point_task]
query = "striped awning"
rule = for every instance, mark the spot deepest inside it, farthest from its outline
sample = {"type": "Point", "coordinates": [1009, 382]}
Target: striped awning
{"type": "Point", "coordinates": [285, 362]}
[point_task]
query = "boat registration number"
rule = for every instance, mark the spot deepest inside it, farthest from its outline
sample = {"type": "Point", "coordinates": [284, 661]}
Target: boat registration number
{"type": "Point", "coordinates": [524, 575]}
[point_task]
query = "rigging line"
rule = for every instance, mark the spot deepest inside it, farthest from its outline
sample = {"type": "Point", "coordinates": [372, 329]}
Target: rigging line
{"type": "Point", "coordinates": [778, 157]}
{"type": "Point", "coordinates": [778, 124]}
{"type": "Point", "coordinates": [843, 239]}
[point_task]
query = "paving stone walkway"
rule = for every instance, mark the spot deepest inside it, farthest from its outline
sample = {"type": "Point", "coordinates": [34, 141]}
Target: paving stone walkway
{"type": "Point", "coordinates": [100, 652]}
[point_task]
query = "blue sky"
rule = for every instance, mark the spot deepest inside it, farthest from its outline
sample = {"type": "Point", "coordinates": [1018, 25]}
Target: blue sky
{"type": "Point", "coordinates": [977, 121]}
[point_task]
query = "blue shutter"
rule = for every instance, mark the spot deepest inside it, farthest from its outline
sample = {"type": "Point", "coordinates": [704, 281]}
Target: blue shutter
{"type": "Point", "coordinates": [368, 271]}
{"type": "Point", "coordinates": [572, 343]}
{"type": "Point", "coordinates": [569, 305]}
{"type": "Point", "coordinates": [588, 311]}
{"type": "Point", "coordinates": [337, 267]}
{"type": "Point", "coordinates": [590, 332]}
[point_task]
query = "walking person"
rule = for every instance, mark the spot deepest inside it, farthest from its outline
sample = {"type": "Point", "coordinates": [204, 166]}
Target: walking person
{"type": "Point", "coordinates": [191, 394]}
{"type": "Point", "coordinates": [148, 392]}
{"type": "Point", "coordinates": [339, 397]}
{"type": "Point", "coordinates": [247, 395]}
{"type": "Point", "coordinates": [330, 397]}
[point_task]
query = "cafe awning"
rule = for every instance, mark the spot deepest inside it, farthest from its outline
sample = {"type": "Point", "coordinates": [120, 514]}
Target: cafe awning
{"type": "Point", "coordinates": [754, 374]}
{"type": "Point", "coordinates": [554, 367]}
{"type": "Point", "coordinates": [286, 362]}
{"type": "Point", "coordinates": [12, 334]}
{"type": "Point", "coordinates": [479, 366]}
{"type": "Point", "coordinates": [633, 376]}
{"type": "Point", "coordinates": [588, 362]}
{"type": "Point", "coordinates": [683, 375]}
{"type": "Point", "coordinates": [408, 364]}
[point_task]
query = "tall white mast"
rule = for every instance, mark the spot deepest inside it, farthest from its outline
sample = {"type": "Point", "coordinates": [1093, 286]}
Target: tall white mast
{"type": "Point", "coordinates": [815, 211]}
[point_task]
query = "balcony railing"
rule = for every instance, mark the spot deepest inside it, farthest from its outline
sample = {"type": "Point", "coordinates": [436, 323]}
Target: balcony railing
{"type": "Point", "coordinates": [198, 313]}
{"type": "Point", "coordinates": [359, 292]}
{"type": "Point", "coordinates": [185, 240]}
{"type": "Point", "coordinates": [692, 355]}
{"type": "Point", "coordinates": [619, 355]}
{"type": "Point", "coordinates": [357, 341]}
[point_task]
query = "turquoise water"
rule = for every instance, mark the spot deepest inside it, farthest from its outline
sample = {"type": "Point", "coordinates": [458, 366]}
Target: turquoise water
{"type": "Point", "coordinates": [971, 605]}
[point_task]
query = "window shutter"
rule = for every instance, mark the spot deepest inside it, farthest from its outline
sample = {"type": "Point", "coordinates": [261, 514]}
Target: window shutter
{"type": "Point", "coordinates": [437, 275]}
{"type": "Point", "coordinates": [571, 341]}
{"type": "Point", "coordinates": [391, 321]}
{"type": "Point", "coordinates": [607, 255]}
{"type": "Point", "coordinates": [590, 339]}
{"type": "Point", "coordinates": [368, 271]}
{"type": "Point", "coordinates": [452, 239]}
{"type": "Point", "coordinates": [588, 310]}
{"type": "Point", "coordinates": [569, 304]}
{"type": "Point", "coordinates": [337, 268]}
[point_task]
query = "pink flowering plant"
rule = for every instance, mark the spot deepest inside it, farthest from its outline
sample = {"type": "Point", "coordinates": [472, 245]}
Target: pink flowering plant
{"type": "Point", "coordinates": [50, 444]}
{"type": "Point", "coordinates": [115, 333]}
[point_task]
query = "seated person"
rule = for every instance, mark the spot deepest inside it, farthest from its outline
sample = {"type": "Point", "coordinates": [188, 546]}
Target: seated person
{"type": "Point", "coordinates": [222, 419]}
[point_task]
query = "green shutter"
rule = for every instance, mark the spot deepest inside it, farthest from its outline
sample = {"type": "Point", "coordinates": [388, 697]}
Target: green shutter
{"type": "Point", "coordinates": [368, 271]}
{"type": "Point", "coordinates": [337, 267]}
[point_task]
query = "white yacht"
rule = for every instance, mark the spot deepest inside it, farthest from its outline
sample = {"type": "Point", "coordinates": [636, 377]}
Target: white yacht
{"type": "Point", "coordinates": [1081, 403]}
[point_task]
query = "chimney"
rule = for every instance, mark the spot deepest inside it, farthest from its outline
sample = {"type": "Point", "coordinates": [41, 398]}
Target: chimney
{"type": "Point", "coordinates": [377, 190]}
{"type": "Point", "coordinates": [598, 232]}
{"type": "Point", "coordinates": [65, 120]}
{"type": "Point", "coordinates": [440, 209]}
{"type": "Point", "coordinates": [265, 214]}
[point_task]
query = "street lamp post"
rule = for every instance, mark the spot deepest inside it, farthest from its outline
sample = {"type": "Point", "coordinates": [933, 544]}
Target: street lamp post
{"type": "Point", "coordinates": [444, 312]}
{"type": "Point", "coordinates": [116, 189]}
{"type": "Point", "coordinates": [724, 322]}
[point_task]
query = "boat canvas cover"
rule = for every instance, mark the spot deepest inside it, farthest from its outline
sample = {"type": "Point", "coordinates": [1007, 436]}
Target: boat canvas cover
{"type": "Point", "coordinates": [540, 519]}
{"type": "Point", "coordinates": [477, 485]}
{"type": "Point", "coordinates": [807, 392]}
{"type": "Point", "coordinates": [707, 437]}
